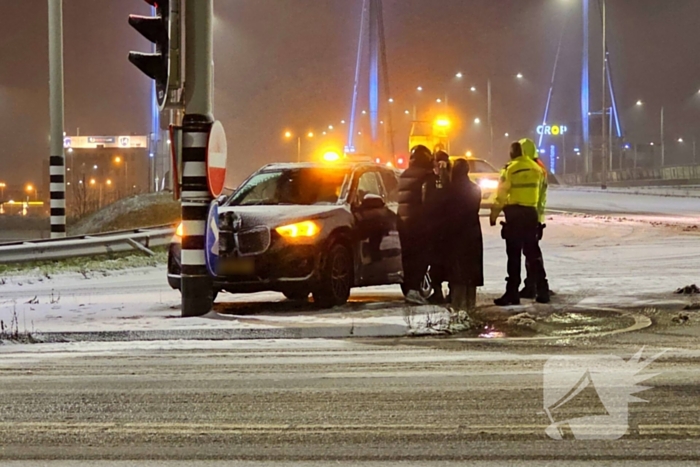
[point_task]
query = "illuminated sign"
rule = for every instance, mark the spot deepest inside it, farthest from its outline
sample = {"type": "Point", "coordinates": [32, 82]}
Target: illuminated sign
{"type": "Point", "coordinates": [553, 159]}
{"type": "Point", "coordinates": [101, 139]}
{"type": "Point", "coordinates": [94, 142]}
{"type": "Point", "coordinates": [552, 130]}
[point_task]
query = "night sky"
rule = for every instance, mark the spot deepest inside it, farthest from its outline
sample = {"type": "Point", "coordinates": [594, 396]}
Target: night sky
{"type": "Point", "coordinates": [289, 65]}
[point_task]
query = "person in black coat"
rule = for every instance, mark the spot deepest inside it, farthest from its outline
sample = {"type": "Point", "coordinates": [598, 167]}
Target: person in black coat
{"type": "Point", "coordinates": [414, 229]}
{"type": "Point", "coordinates": [438, 218]}
{"type": "Point", "coordinates": [463, 232]}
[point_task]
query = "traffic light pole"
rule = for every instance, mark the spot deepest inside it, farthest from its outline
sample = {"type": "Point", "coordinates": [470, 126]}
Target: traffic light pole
{"type": "Point", "coordinates": [196, 284]}
{"type": "Point", "coordinates": [57, 161]}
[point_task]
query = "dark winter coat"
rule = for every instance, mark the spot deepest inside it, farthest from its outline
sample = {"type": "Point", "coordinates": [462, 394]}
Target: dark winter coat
{"type": "Point", "coordinates": [414, 185]}
{"type": "Point", "coordinates": [463, 231]}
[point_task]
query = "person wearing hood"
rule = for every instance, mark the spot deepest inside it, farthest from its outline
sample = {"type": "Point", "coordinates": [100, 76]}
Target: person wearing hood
{"type": "Point", "coordinates": [463, 238]}
{"type": "Point", "coordinates": [519, 198]}
{"type": "Point", "coordinates": [414, 229]}
{"type": "Point", "coordinates": [531, 288]}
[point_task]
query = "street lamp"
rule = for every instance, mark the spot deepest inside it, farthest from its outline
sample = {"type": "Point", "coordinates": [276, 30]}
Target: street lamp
{"type": "Point", "coordinates": [290, 135]}
{"type": "Point", "coordinates": [519, 76]}
{"type": "Point", "coordinates": [3, 185]}
{"type": "Point", "coordinates": [118, 160]}
{"type": "Point", "coordinates": [459, 75]}
{"type": "Point", "coordinates": [477, 120]}
{"type": "Point", "coordinates": [29, 189]}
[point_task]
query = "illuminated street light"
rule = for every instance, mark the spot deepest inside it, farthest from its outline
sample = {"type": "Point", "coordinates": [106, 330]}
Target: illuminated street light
{"type": "Point", "coordinates": [459, 75]}
{"type": "Point", "coordinates": [519, 76]}
{"type": "Point", "coordinates": [473, 89]}
{"type": "Point", "coordinates": [70, 150]}
{"type": "Point", "coordinates": [507, 135]}
{"type": "Point", "coordinates": [288, 134]}
{"type": "Point", "coordinates": [310, 134]}
{"type": "Point", "coordinates": [117, 160]}
{"type": "Point", "coordinates": [477, 120]}
{"type": "Point", "coordinates": [364, 112]}
{"type": "Point", "coordinates": [640, 103]}
{"type": "Point", "coordinates": [94, 167]}
{"type": "Point", "coordinates": [680, 140]}
{"type": "Point", "coordinates": [109, 182]}
{"type": "Point", "coordinates": [391, 101]}
{"type": "Point", "coordinates": [93, 181]}
{"type": "Point", "coordinates": [419, 88]}
{"type": "Point", "coordinates": [330, 127]}
{"type": "Point", "coordinates": [407, 112]}
{"type": "Point", "coordinates": [342, 122]}
{"type": "Point", "coordinates": [470, 154]}
{"type": "Point", "coordinates": [324, 133]}
{"type": "Point", "coordinates": [438, 100]}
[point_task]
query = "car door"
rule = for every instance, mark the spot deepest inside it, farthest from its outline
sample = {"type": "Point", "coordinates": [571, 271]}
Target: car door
{"type": "Point", "coordinates": [374, 224]}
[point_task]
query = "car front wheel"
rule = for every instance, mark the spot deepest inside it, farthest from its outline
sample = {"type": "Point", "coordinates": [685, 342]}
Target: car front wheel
{"type": "Point", "coordinates": [336, 278]}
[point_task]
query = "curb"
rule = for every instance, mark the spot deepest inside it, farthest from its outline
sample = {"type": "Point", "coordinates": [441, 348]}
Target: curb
{"type": "Point", "coordinates": [334, 332]}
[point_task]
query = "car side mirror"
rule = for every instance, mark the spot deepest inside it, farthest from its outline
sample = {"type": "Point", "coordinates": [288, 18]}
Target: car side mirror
{"type": "Point", "coordinates": [371, 201]}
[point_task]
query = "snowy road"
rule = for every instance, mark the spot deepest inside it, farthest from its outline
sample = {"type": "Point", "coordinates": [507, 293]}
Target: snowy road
{"type": "Point", "coordinates": [621, 202]}
{"type": "Point", "coordinates": [422, 401]}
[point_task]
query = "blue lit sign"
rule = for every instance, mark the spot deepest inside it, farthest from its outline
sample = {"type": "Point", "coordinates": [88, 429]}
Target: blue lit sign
{"type": "Point", "coordinates": [553, 159]}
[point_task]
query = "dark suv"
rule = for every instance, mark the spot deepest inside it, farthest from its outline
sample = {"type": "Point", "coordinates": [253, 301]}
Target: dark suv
{"type": "Point", "coordinates": [308, 228]}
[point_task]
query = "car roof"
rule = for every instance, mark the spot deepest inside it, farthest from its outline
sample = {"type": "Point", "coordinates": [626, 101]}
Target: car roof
{"type": "Point", "coordinates": [348, 165]}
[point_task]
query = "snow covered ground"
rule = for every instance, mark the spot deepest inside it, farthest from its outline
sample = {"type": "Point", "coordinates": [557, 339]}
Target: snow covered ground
{"type": "Point", "coordinates": [592, 261]}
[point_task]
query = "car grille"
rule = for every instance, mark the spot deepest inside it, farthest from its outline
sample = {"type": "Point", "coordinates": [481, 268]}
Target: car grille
{"type": "Point", "coordinates": [253, 242]}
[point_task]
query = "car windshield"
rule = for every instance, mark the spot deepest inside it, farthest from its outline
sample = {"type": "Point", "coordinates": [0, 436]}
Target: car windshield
{"type": "Point", "coordinates": [300, 186]}
{"type": "Point", "coordinates": [481, 167]}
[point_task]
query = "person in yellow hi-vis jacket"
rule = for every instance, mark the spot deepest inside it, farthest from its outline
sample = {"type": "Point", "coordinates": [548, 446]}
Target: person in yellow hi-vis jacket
{"type": "Point", "coordinates": [530, 289]}
{"type": "Point", "coordinates": [518, 197]}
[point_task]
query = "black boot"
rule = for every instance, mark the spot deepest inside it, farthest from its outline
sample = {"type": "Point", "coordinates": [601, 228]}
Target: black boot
{"type": "Point", "coordinates": [511, 297]}
{"type": "Point", "coordinates": [529, 292]}
{"type": "Point", "coordinates": [543, 293]}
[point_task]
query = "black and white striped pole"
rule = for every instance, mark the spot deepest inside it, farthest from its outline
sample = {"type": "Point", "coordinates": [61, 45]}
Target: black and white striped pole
{"type": "Point", "coordinates": [196, 283]}
{"type": "Point", "coordinates": [57, 165]}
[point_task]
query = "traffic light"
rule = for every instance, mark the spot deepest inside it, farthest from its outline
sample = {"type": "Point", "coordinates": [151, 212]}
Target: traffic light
{"type": "Point", "coordinates": [157, 30]}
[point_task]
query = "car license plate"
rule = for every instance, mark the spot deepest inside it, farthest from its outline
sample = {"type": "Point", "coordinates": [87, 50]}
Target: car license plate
{"type": "Point", "coordinates": [237, 267]}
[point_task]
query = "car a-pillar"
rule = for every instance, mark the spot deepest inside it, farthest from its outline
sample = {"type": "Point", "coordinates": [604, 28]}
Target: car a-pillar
{"type": "Point", "coordinates": [196, 283]}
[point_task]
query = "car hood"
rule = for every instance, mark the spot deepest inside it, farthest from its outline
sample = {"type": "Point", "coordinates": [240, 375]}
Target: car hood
{"type": "Point", "coordinates": [275, 216]}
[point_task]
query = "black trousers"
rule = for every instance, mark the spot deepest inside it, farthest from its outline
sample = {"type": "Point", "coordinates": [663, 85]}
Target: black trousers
{"type": "Point", "coordinates": [530, 282]}
{"type": "Point", "coordinates": [521, 235]}
{"type": "Point", "coordinates": [415, 255]}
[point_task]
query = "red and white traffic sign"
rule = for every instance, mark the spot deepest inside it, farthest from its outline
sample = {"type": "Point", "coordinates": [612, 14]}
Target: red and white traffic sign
{"type": "Point", "coordinates": [216, 159]}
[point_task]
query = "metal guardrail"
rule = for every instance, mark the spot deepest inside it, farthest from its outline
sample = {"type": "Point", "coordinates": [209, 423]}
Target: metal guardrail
{"type": "Point", "coordinates": [86, 245]}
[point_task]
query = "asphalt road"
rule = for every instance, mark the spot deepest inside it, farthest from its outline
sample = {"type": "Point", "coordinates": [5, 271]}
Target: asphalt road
{"type": "Point", "coordinates": [419, 402]}
{"type": "Point", "coordinates": [594, 201]}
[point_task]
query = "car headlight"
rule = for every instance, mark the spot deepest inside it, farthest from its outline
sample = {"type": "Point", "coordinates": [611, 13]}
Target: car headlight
{"type": "Point", "coordinates": [488, 184]}
{"type": "Point", "coordinates": [306, 229]}
{"type": "Point", "coordinates": [180, 230]}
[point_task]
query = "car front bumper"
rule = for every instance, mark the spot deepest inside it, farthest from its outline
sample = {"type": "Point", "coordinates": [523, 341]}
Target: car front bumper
{"type": "Point", "coordinates": [283, 268]}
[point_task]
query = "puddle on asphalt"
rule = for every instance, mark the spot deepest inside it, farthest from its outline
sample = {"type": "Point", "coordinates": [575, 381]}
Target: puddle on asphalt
{"type": "Point", "coordinates": [562, 324]}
